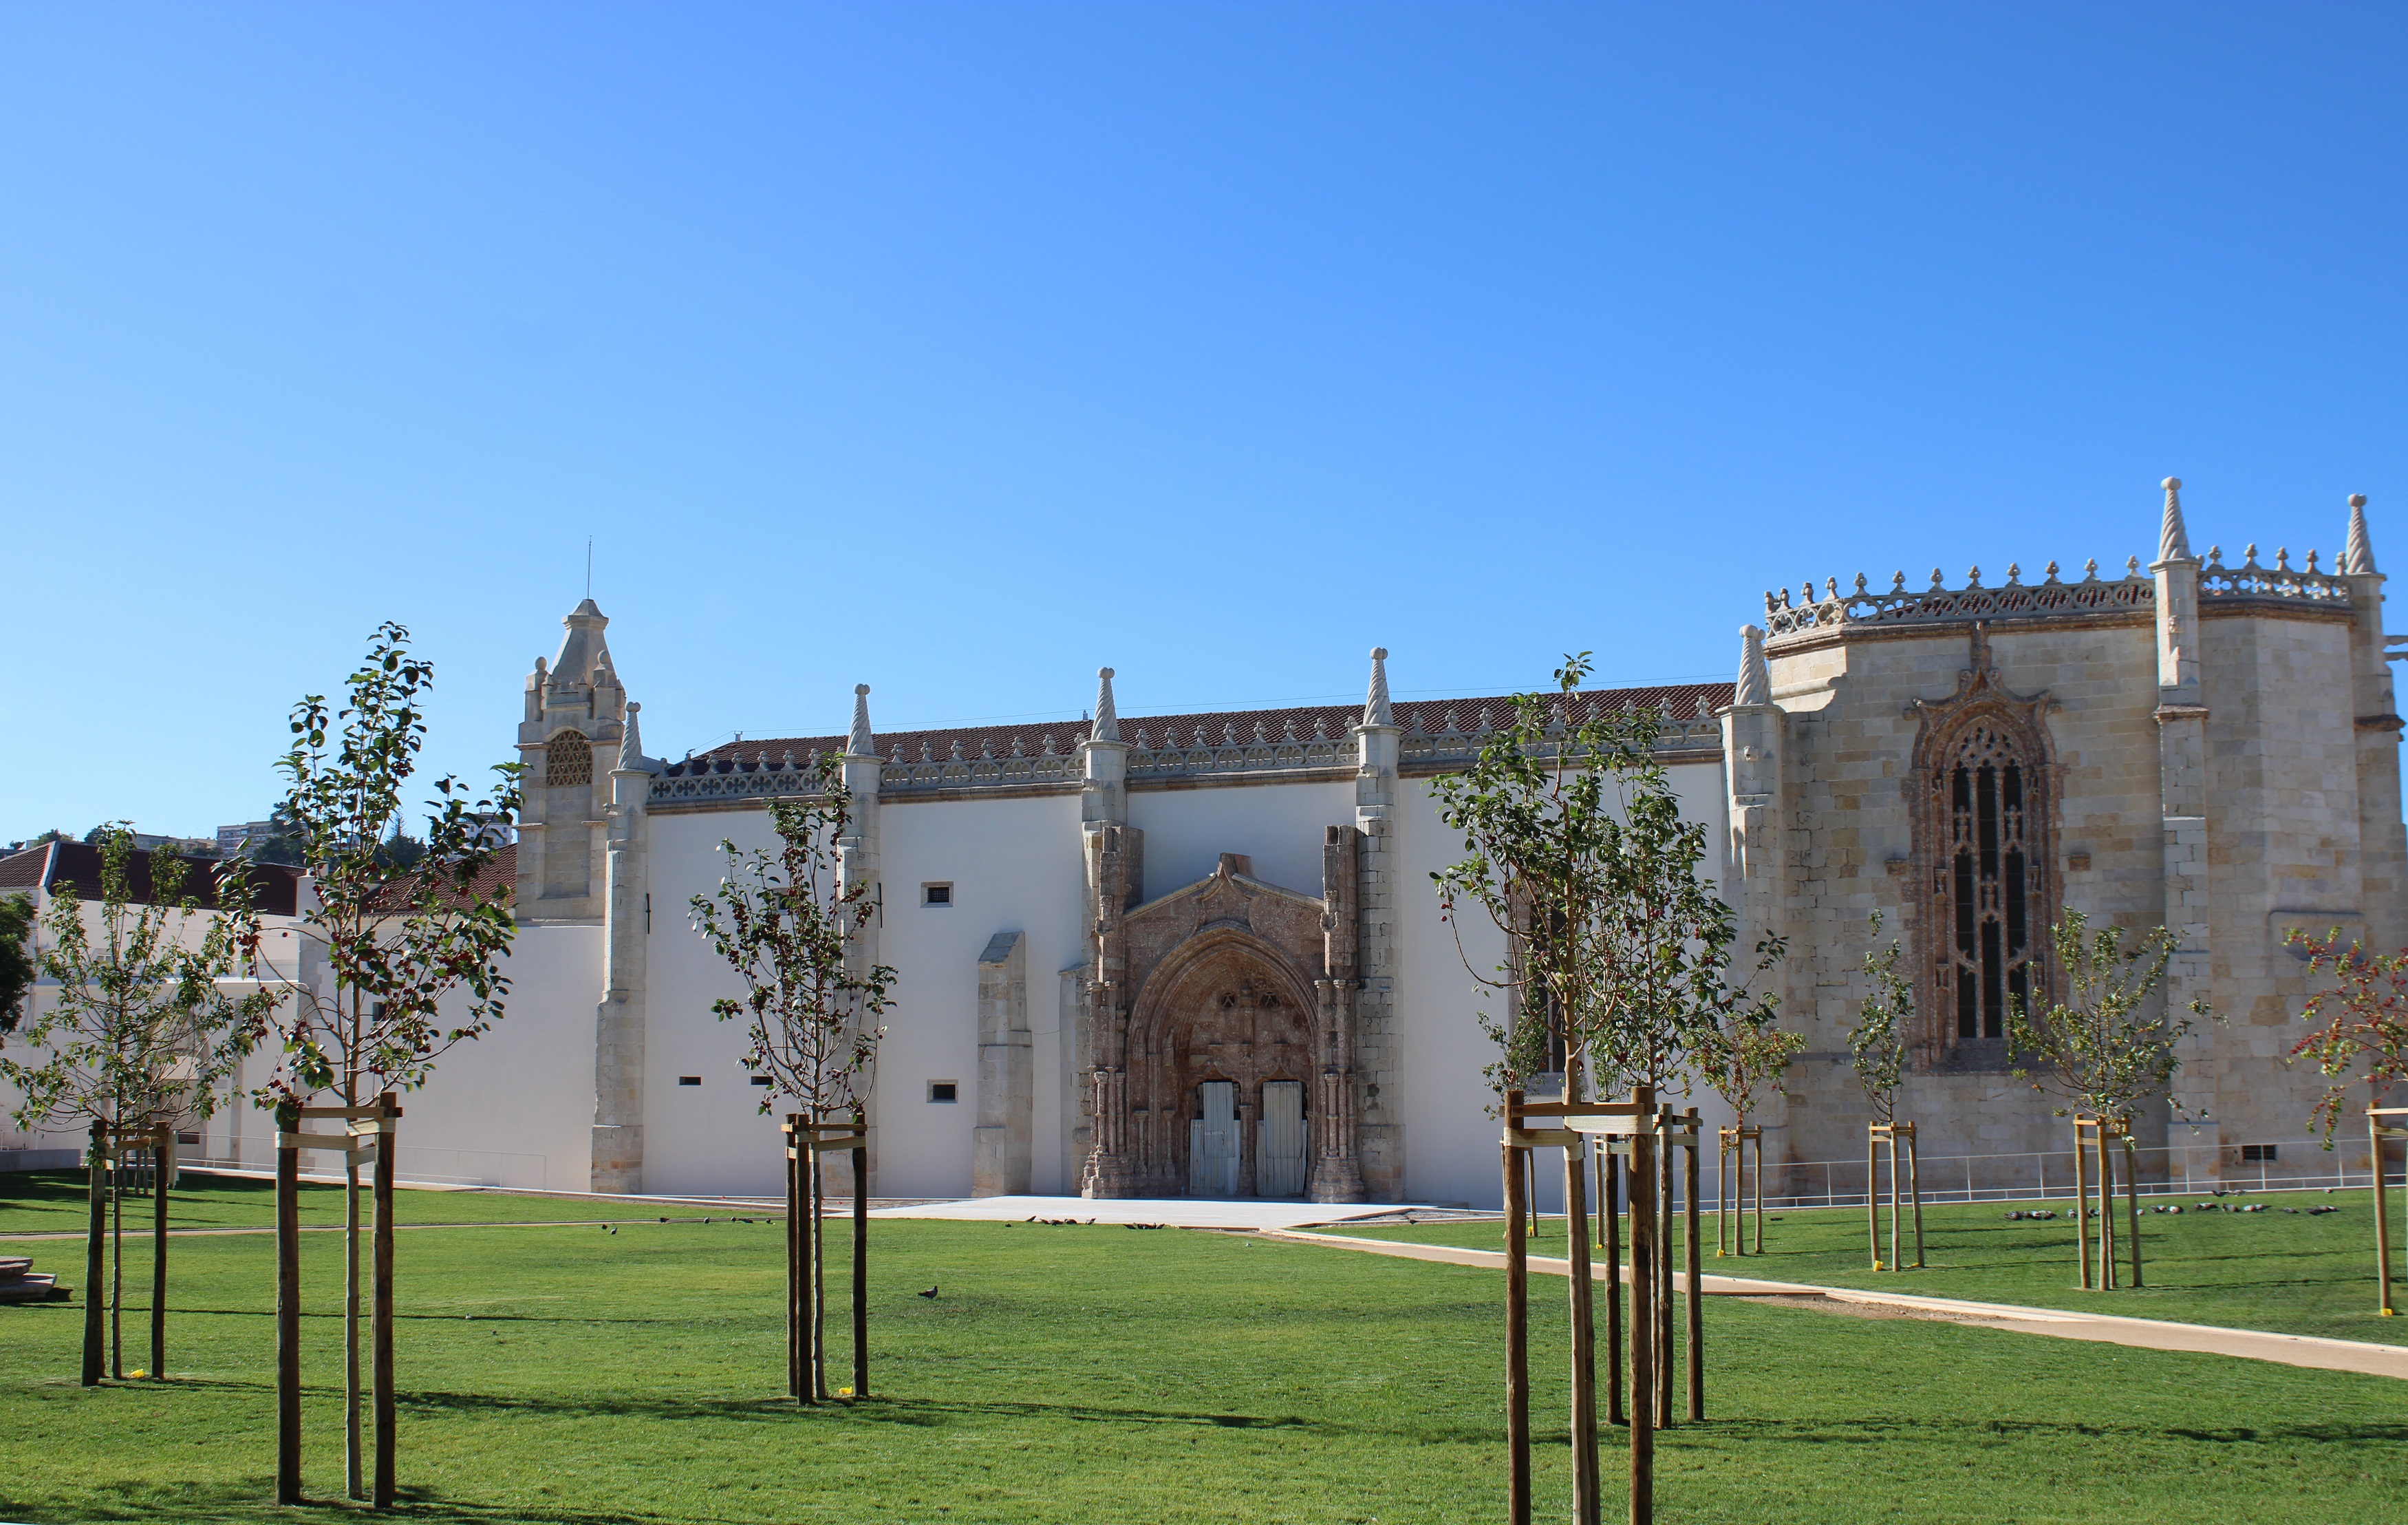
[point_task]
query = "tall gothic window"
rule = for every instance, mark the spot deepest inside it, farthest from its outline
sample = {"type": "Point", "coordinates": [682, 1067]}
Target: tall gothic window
{"type": "Point", "coordinates": [568, 759]}
{"type": "Point", "coordinates": [1987, 882]}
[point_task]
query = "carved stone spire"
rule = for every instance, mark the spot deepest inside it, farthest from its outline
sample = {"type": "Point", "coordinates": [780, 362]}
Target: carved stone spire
{"type": "Point", "coordinates": [860, 743]}
{"type": "Point", "coordinates": [2358, 559]}
{"type": "Point", "coordinates": [1376, 711]}
{"type": "Point", "coordinates": [631, 746]}
{"type": "Point", "coordinates": [1107, 718]}
{"type": "Point", "coordinates": [2173, 542]}
{"type": "Point", "coordinates": [1755, 682]}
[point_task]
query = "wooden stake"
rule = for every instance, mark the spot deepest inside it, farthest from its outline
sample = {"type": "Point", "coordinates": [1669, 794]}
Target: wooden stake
{"type": "Point", "coordinates": [1641, 1176]}
{"type": "Point", "coordinates": [860, 1256]}
{"type": "Point", "coordinates": [1664, 1238]}
{"type": "Point", "coordinates": [2081, 1202]}
{"type": "Point", "coordinates": [1588, 1500]}
{"type": "Point", "coordinates": [2133, 1201]}
{"type": "Point", "coordinates": [818, 1226]}
{"type": "Point", "coordinates": [795, 1338]}
{"type": "Point", "coordinates": [96, 1249]}
{"type": "Point", "coordinates": [1759, 1189]}
{"type": "Point", "coordinates": [1517, 1328]}
{"type": "Point", "coordinates": [1610, 1193]}
{"type": "Point", "coordinates": [2374, 1133]}
{"type": "Point", "coordinates": [380, 1303]}
{"type": "Point", "coordinates": [2106, 1215]}
{"type": "Point", "coordinates": [117, 1259]}
{"type": "Point", "coordinates": [162, 1154]}
{"type": "Point", "coordinates": [1914, 1191]}
{"type": "Point", "coordinates": [1872, 1191]}
{"type": "Point", "coordinates": [288, 1308]}
{"type": "Point", "coordinates": [1697, 1275]}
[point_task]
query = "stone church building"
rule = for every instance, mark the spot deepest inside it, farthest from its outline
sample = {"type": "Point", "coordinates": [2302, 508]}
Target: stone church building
{"type": "Point", "coordinates": [1202, 953]}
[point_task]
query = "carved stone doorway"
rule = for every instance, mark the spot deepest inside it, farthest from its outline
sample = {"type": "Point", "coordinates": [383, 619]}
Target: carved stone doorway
{"type": "Point", "coordinates": [1227, 1027]}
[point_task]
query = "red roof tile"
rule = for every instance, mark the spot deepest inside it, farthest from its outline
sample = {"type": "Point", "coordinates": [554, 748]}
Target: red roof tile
{"type": "Point", "coordinates": [1686, 701]}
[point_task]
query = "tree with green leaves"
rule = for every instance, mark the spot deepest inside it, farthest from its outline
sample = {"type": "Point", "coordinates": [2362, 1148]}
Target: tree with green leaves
{"type": "Point", "coordinates": [136, 1032]}
{"type": "Point", "coordinates": [1877, 1049]}
{"type": "Point", "coordinates": [1617, 971]}
{"type": "Point", "coordinates": [1620, 953]}
{"type": "Point", "coordinates": [383, 947]}
{"type": "Point", "coordinates": [1877, 1045]}
{"type": "Point", "coordinates": [2362, 1036]}
{"type": "Point", "coordinates": [2108, 1047]}
{"type": "Point", "coordinates": [788, 923]}
{"type": "Point", "coordinates": [16, 967]}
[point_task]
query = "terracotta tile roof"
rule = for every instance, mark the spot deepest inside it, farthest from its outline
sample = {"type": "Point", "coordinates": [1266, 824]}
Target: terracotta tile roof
{"type": "Point", "coordinates": [275, 889]}
{"type": "Point", "coordinates": [499, 874]}
{"type": "Point", "coordinates": [1686, 701]}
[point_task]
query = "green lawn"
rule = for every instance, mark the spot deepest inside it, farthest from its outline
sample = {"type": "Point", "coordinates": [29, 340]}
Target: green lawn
{"type": "Point", "coordinates": [2286, 1272]}
{"type": "Point", "coordinates": [1103, 1375]}
{"type": "Point", "coordinates": [53, 1201]}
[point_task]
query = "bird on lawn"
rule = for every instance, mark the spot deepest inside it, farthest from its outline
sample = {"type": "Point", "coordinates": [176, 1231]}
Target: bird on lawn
{"type": "Point", "coordinates": [930, 1293]}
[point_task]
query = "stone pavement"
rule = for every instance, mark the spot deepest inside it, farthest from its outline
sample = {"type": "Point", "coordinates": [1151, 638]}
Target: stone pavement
{"type": "Point", "coordinates": [2145, 1334]}
{"type": "Point", "coordinates": [1174, 1212]}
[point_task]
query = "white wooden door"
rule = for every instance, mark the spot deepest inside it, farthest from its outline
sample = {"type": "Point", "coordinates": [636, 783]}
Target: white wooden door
{"type": "Point", "coordinates": [1279, 1164]}
{"type": "Point", "coordinates": [1213, 1142]}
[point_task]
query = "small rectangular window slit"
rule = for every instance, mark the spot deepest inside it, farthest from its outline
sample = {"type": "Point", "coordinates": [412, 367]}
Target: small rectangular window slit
{"type": "Point", "coordinates": [944, 1090]}
{"type": "Point", "coordinates": [937, 894]}
{"type": "Point", "coordinates": [689, 1080]}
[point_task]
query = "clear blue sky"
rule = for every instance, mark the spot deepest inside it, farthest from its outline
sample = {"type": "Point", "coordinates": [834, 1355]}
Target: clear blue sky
{"type": "Point", "coordinates": [958, 350]}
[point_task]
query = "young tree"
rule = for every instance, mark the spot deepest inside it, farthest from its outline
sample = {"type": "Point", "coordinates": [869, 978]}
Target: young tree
{"type": "Point", "coordinates": [1877, 1046]}
{"type": "Point", "coordinates": [139, 1033]}
{"type": "Point", "coordinates": [394, 943]}
{"type": "Point", "coordinates": [1617, 971]}
{"type": "Point", "coordinates": [788, 923]}
{"type": "Point", "coordinates": [2106, 1049]}
{"type": "Point", "coordinates": [1877, 1043]}
{"type": "Point", "coordinates": [1619, 951]}
{"type": "Point", "coordinates": [17, 968]}
{"type": "Point", "coordinates": [2363, 1036]}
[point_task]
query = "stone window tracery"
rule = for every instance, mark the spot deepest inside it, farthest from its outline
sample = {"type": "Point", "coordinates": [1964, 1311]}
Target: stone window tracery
{"type": "Point", "coordinates": [1981, 787]}
{"type": "Point", "coordinates": [567, 759]}
{"type": "Point", "coordinates": [1986, 883]}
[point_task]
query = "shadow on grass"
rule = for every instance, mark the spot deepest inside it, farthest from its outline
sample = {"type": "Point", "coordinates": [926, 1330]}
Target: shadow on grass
{"type": "Point", "coordinates": [874, 1410]}
{"type": "Point", "coordinates": [254, 1500]}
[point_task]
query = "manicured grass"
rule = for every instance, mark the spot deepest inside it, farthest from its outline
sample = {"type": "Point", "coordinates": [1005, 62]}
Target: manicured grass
{"type": "Point", "coordinates": [1100, 1374]}
{"type": "Point", "coordinates": [2286, 1271]}
{"type": "Point", "coordinates": [53, 1201]}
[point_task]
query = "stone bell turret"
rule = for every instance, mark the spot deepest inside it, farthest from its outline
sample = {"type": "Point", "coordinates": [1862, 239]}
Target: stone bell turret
{"type": "Point", "coordinates": [571, 733]}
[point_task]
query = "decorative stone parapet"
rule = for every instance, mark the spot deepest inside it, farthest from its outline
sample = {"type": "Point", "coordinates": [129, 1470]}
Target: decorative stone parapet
{"type": "Point", "coordinates": [1788, 615]}
{"type": "Point", "coordinates": [2280, 582]}
{"type": "Point", "coordinates": [1457, 745]}
{"type": "Point", "coordinates": [1939, 604]}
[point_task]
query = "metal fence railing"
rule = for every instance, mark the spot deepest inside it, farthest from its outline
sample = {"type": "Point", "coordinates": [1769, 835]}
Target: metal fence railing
{"type": "Point", "coordinates": [2168, 1171]}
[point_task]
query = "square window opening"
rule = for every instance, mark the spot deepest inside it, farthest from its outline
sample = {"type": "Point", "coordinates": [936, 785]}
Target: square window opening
{"type": "Point", "coordinates": [2253, 1154]}
{"type": "Point", "coordinates": [944, 1090]}
{"type": "Point", "coordinates": [937, 894]}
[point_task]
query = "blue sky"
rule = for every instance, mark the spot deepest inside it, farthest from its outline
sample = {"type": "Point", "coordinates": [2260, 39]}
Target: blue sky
{"type": "Point", "coordinates": [958, 350]}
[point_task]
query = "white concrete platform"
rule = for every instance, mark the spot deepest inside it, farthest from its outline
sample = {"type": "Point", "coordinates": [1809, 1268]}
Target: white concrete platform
{"type": "Point", "coordinates": [1177, 1212]}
